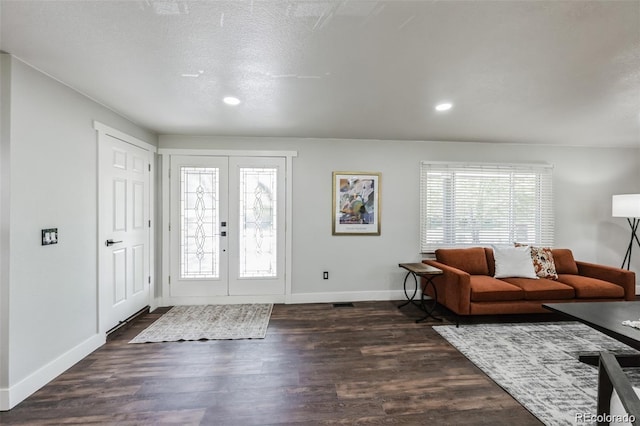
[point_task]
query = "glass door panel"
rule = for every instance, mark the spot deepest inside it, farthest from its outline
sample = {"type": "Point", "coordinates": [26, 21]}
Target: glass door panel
{"type": "Point", "coordinates": [256, 208]}
{"type": "Point", "coordinates": [258, 222]}
{"type": "Point", "coordinates": [199, 222]}
{"type": "Point", "coordinates": [199, 264]}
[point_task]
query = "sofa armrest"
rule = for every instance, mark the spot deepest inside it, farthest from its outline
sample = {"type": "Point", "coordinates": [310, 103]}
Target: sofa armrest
{"type": "Point", "coordinates": [621, 277]}
{"type": "Point", "coordinates": [456, 285]}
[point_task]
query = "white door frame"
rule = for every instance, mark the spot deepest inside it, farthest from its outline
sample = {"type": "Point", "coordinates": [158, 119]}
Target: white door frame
{"type": "Point", "coordinates": [103, 130]}
{"type": "Point", "coordinates": [166, 154]}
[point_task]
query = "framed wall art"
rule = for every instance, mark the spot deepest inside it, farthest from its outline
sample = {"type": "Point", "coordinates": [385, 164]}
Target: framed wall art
{"type": "Point", "coordinates": [356, 203]}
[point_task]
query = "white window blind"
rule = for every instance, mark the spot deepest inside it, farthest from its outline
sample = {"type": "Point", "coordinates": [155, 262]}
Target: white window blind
{"type": "Point", "coordinates": [465, 205]}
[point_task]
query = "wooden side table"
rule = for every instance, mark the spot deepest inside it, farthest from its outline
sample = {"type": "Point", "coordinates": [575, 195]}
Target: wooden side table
{"type": "Point", "coordinates": [427, 272]}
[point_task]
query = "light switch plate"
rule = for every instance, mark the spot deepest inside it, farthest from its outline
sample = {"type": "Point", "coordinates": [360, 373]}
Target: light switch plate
{"type": "Point", "coordinates": [49, 236]}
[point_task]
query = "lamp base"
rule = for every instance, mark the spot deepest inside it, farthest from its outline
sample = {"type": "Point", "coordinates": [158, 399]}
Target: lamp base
{"type": "Point", "coordinates": [634, 236]}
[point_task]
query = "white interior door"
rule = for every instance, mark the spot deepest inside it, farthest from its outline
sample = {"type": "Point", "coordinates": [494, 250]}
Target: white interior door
{"type": "Point", "coordinates": [124, 230]}
{"type": "Point", "coordinates": [227, 226]}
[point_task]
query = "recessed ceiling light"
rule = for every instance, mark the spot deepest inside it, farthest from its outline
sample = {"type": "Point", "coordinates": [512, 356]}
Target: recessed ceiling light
{"type": "Point", "coordinates": [192, 75]}
{"type": "Point", "coordinates": [230, 100]}
{"type": "Point", "coordinates": [170, 7]}
{"type": "Point", "coordinates": [445, 106]}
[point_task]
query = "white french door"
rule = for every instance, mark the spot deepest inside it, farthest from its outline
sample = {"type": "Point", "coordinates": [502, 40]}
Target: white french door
{"type": "Point", "coordinates": [257, 225]}
{"type": "Point", "coordinates": [199, 204]}
{"type": "Point", "coordinates": [226, 226]}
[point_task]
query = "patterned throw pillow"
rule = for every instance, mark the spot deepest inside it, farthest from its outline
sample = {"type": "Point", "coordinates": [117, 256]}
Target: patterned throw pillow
{"type": "Point", "coordinates": [543, 262]}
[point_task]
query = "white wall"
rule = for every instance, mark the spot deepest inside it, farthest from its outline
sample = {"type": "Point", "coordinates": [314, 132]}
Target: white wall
{"type": "Point", "coordinates": [366, 266]}
{"type": "Point", "coordinates": [5, 100]}
{"type": "Point", "coordinates": [52, 308]}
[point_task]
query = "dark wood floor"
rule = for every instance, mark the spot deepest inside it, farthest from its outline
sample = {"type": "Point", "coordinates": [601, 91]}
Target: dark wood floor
{"type": "Point", "coordinates": [319, 364]}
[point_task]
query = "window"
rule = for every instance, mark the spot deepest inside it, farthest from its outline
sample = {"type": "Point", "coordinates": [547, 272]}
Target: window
{"type": "Point", "coordinates": [480, 204]}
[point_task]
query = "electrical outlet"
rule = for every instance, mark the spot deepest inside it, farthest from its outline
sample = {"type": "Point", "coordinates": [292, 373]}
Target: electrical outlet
{"type": "Point", "coordinates": [325, 275]}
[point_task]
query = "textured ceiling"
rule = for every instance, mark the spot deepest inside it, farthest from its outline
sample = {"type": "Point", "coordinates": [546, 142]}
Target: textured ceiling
{"type": "Point", "coordinates": [549, 72]}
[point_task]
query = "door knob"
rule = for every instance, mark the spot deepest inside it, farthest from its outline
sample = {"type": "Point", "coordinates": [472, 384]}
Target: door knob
{"type": "Point", "coordinates": [110, 242]}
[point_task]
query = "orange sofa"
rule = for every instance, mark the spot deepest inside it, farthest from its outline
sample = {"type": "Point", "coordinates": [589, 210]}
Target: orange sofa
{"type": "Point", "coordinates": [467, 285]}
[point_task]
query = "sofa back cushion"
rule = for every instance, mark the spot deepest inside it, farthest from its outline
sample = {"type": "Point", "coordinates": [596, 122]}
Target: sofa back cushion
{"type": "Point", "coordinates": [491, 261]}
{"type": "Point", "coordinates": [471, 260]}
{"type": "Point", "coordinates": [564, 261]}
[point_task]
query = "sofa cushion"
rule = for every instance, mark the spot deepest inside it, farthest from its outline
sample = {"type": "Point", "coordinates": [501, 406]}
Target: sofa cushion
{"type": "Point", "coordinates": [489, 289]}
{"type": "Point", "coordinates": [513, 262]}
{"type": "Point", "coordinates": [491, 261]}
{"type": "Point", "coordinates": [564, 261]}
{"type": "Point", "coordinates": [542, 289]}
{"type": "Point", "coordinates": [592, 288]}
{"type": "Point", "coordinates": [471, 260]}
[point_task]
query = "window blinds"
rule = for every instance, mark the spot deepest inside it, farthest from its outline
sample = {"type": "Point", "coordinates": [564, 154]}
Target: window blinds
{"type": "Point", "coordinates": [464, 204]}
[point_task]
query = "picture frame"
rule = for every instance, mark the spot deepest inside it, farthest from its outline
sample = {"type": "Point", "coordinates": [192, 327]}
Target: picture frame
{"type": "Point", "coordinates": [356, 203]}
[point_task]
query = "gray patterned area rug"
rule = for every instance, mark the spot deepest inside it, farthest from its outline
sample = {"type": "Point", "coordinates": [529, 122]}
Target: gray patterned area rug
{"type": "Point", "coordinates": [209, 322]}
{"type": "Point", "coordinates": [538, 364]}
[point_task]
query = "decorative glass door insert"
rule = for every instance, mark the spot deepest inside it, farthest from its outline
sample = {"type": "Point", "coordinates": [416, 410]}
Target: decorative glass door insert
{"type": "Point", "coordinates": [199, 222]}
{"type": "Point", "coordinates": [258, 222]}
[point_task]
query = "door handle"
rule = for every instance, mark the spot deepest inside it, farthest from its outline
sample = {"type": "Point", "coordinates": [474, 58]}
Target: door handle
{"type": "Point", "coordinates": [110, 242]}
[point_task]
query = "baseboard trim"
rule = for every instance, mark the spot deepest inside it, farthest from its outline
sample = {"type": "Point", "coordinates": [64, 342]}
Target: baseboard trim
{"type": "Point", "coordinates": [348, 296]}
{"type": "Point", "coordinates": [221, 300]}
{"type": "Point", "coordinates": [339, 296]}
{"type": "Point", "coordinates": [17, 393]}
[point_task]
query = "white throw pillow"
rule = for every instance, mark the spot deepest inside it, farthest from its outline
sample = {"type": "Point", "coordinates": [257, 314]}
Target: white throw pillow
{"type": "Point", "coordinates": [514, 262]}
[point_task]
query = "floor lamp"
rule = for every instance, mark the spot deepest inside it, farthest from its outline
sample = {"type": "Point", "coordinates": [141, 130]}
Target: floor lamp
{"type": "Point", "coordinates": [628, 205]}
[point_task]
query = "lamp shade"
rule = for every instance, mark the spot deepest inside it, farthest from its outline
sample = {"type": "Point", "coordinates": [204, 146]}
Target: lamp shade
{"type": "Point", "coordinates": [625, 205]}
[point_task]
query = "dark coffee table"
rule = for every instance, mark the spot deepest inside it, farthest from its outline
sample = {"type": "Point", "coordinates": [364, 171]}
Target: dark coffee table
{"type": "Point", "coordinates": [605, 317]}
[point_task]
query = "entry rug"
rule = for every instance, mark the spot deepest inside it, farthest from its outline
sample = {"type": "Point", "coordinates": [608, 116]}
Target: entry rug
{"type": "Point", "coordinates": [538, 364]}
{"type": "Point", "coordinates": [210, 322]}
